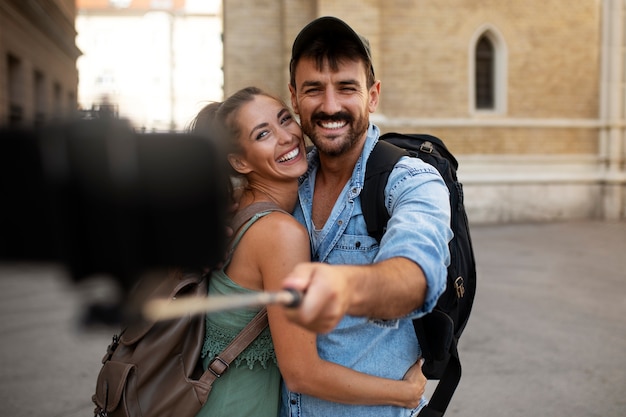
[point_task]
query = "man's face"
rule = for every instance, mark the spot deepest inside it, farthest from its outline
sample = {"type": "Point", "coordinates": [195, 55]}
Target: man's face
{"type": "Point", "coordinates": [334, 106]}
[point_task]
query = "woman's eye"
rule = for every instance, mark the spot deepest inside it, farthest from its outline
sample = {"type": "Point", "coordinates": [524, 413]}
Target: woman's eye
{"type": "Point", "coordinates": [262, 134]}
{"type": "Point", "coordinates": [286, 119]}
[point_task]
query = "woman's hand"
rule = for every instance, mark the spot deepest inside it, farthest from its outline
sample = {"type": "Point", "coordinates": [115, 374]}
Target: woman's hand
{"type": "Point", "coordinates": [417, 384]}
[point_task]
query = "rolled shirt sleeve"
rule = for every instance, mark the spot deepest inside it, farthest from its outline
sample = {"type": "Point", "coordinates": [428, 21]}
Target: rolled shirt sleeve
{"type": "Point", "coordinates": [419, 226]}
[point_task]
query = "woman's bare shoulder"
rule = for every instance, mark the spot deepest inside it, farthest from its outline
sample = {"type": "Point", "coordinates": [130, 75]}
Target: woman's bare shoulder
{"type": "Point", "coordinates": [282, 224]}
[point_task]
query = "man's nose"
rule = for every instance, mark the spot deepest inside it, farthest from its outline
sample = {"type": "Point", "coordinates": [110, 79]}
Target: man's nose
{"type": "Point", "coordinates": [330, 104]}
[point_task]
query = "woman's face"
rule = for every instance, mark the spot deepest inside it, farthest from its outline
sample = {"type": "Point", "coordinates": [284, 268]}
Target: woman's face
{"type": "Point", "coordinates": [271, 140]}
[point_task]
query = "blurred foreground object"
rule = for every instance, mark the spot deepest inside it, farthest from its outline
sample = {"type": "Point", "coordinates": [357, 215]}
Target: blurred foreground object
{"type": "Point", "coordinates": [101, 199]}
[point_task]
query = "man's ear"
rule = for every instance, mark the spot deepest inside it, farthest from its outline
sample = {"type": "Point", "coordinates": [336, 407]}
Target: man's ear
{"type": "Point", "coordinates": [294, 102]}
{"type": "Point", "coordinates": [374, 95]}
{"type": "Point", "coordinates": [238, 163]}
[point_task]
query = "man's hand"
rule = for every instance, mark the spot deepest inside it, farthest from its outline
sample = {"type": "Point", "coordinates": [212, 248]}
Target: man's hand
{"type": "Point", "coordinates": [385, 290]}
{"type": "Point", "coordinates": [326, 296]}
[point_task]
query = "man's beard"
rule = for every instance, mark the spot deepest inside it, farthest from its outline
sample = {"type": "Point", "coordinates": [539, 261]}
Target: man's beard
{"type": "Point", "coordinates": [332, 145]}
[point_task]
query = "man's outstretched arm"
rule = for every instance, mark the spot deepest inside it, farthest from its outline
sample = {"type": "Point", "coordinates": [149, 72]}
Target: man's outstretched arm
{"type": "Point", "coordinates": [389, 289]}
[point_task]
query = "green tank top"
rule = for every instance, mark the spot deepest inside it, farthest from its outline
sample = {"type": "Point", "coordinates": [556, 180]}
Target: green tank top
{"type": "Point", "coordinates": [251, 386]}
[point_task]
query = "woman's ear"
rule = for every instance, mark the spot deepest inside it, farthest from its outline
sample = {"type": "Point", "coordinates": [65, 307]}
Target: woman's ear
{"type": "Point", "coordinates": [238, 163]}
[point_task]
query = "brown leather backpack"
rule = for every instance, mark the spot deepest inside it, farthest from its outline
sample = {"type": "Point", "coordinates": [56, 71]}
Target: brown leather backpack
{"type": "Point", "coordinates": [154, 369]}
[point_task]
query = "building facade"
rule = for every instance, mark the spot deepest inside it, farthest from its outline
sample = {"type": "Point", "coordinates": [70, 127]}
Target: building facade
{"type": "Point", "coordinates": [528, 94]}
{"type": "Point", "coordinates": [152, 62]}
{"type": "Point", "coordinates": [38, 74]}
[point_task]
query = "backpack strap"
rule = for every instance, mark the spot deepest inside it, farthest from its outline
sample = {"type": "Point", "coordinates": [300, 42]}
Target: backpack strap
{"type": "Point", "coordinates": [222, 361]}
{"type": "Point", "coordinates": [442, 395]}
{"type": "Point", "coordinates": [248, 212]}
{"type": "Point", "coordinates": [245, 217]}
{"type": "Point", "coordinates": [446, 386]}
{"type": "Point", "coordinates": [451, 374]}
{"type": "Point", "coordinates": [381, 161]}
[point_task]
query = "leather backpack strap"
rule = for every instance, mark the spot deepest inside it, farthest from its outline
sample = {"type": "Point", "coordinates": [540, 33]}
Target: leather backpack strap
{"type": "Point", "coordinates": [248, 212]}
{"type": "Point", "coordinates": [221, 362]}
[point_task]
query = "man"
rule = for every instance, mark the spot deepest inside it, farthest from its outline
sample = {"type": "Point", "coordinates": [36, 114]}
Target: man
{"type": "Point", "coordinates": [363, 294]}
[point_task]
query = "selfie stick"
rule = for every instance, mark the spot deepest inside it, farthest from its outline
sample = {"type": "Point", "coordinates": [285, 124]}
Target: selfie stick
{"type": "Point", "coordinates": [164, 309]}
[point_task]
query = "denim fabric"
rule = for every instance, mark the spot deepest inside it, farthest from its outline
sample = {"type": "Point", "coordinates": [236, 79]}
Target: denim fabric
{"type": "Point", "coordinates": [419, 230]}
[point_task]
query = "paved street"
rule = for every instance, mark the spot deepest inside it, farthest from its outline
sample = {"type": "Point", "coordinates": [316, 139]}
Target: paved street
{"type": "Point", "coordinates": [547, 336]}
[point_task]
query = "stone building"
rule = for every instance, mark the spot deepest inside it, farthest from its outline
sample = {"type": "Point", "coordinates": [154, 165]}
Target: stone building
{"type": "Point", "coordinates": [38, 75]}
{"type": "Point", "coordinates": [528, 94]}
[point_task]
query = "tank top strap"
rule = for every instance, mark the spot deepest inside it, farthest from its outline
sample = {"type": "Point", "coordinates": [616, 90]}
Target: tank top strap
{"type": "Point", "coordinates": [245, 218]}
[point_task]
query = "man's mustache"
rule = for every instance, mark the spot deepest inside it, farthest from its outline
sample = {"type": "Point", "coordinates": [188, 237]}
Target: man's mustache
{"type": "Point", "coordinates": [336, 117]}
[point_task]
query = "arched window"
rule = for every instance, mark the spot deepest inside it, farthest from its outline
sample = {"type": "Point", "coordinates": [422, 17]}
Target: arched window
{"type": "Point", "coordinates": [484, 74]}
{"type": "Point", "coordinates": [487, 72]}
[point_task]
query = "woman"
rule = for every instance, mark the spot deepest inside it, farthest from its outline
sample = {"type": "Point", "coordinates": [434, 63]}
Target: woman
{"type": "Point", "coordinates": [266, 149]}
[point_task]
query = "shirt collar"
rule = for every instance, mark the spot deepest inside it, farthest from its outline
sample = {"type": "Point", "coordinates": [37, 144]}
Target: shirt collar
{"type": "Point", "coordinates": [358, 177]}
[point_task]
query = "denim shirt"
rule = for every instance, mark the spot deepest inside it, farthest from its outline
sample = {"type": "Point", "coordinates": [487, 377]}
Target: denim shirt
{"type": "Point", "coordinates": [418, 200]}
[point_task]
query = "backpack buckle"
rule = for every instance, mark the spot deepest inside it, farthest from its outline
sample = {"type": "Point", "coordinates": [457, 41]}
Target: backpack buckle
{"type": "Point", "coordinates": [426, 147]}
{"type": "Point", "coordinates": [218, 366]}
{"type": "Point", "coordinates": [460, 288]}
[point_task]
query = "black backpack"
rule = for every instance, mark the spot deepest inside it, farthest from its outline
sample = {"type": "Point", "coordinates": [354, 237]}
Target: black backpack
{"type": "Point", "coordinates": [438, 332]}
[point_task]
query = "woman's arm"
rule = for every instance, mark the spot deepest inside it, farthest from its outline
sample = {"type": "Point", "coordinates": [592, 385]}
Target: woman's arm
{"type": "Point", "coordinates": [286, 244]}
{"type": "Point", "coordinates": [305, 372]}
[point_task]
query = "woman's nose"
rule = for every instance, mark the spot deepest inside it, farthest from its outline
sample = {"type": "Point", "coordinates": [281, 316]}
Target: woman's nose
{"type": "Point", "coordinates": [285, 136]}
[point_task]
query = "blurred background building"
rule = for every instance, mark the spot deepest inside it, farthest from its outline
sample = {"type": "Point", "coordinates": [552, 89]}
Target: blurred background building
{"type": "Point", "coordinates": [38, 75]}
{"type": "Point", "coordinates": [154, 62]}
{"type": "Point", "coordinates": [528, 94]}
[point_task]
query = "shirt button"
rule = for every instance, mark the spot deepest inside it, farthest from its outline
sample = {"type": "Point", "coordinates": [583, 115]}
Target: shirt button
{"type": "Point", "coordinates": [340, 222]}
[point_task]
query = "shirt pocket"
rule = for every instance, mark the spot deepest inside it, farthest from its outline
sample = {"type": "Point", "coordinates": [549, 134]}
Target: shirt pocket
{"type": "Point", "coordinates": [354, 250]}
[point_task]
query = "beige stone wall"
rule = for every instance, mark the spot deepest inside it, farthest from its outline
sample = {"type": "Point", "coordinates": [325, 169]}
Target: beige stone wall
{"type": "Point", "coordinates": [513, 140]}
{"type": "Point", "coordinates": [553, 56]}
{"type": "Point", "coordinates": [553, 140]}
{"type": "Point", "coordinates": [253, 42]}
{"type": "Point", "coordinates": [422, 52]}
